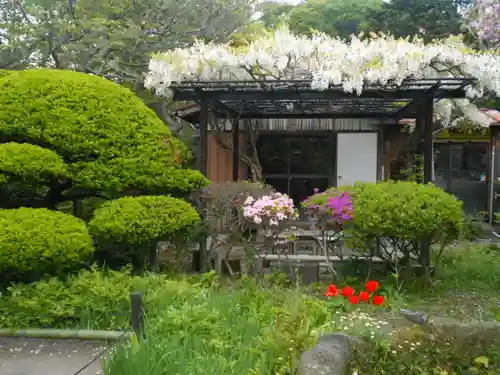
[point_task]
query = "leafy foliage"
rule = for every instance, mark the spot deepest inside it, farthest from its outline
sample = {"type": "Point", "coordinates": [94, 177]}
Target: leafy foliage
{"type": "Point", "coordinates": [127, 228]}
{"type": "Point", "coordinates": [31, 163]}
{"type": "Point", "coordinates": [139, 220]}
{"type": "Point", "coordinates": [93, 299]}
{"type": "Point", "coordinates": [4, 73]}
{"type": "Point", "coordinates": [34, 242]}
{"type": "Point", "coordinates": [398, 215]}
{"type": "Point", "coordinates": [427, 18]}
{"type": "Point", "coordinates": [336, 18]}
{"type": "Point", "coordinates": [251, 330]}
{"type": "Point", "coordinates": [108, 38]}
{"type": "Point", "coordinates": [415, 351]}
{"type": "Point", "coordinates": [109, 140]}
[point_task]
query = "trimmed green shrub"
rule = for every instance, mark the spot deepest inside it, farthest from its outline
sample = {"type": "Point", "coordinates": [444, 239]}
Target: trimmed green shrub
{"type": "Point", "coordinates": [137, 223]}
{"type": "Point", "coordinates": [109, 139]}
{"type": "Point", "coordinates": [22, 161]}
{"type": "Point", "coordinates": [399, 215]}
{"type": "Point", "coordinates": [4, 73]}
{"type": "Point", "coordinates": [34, 242]}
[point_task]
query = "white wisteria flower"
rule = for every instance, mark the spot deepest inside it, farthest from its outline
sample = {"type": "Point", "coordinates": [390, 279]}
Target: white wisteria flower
{"type": "Point", "coordinates": [327, 61]}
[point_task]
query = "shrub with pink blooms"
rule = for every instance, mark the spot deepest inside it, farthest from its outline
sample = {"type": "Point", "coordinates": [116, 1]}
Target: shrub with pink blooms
{"type": "Point", "coordinates": [270, 211]}
{"type": "Point", "coordinates": [330, 209]}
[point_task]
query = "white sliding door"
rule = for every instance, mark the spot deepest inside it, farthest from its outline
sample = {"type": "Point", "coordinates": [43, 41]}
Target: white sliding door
{"type": "Point", "coordinates": [357, 158]}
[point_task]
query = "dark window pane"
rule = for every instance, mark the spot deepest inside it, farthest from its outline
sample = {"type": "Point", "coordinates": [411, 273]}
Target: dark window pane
{"type": "Point", "coordinates": [442, 164]}
{"type": "Point", "coordinates": [301, 188]}
{"type": "Point", "coordinates": [280, 184]}
{"type": "Point", "coordinates": [469, 163]}
{"type": "Point", "coordinates": [273, 154]}
{"type": "Point", "coordinates": [310, 155]}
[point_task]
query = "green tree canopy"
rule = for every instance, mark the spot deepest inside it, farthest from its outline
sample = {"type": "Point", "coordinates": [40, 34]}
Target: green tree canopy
{"type": "Point", "coordinates": [110, 38]}
{"type": "Point", "coordinates": [333, 17]}
{"type": "Point", "coordinates": [427, 18]}
{"type": "Point", "coordinates": [430, 19]}
{"type": "Point", "coordinates": [68, 135]}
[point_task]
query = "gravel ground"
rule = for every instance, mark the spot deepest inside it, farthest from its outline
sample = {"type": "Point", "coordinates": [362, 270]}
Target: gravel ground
{"type": "Point", "coordinates": [25, 356]}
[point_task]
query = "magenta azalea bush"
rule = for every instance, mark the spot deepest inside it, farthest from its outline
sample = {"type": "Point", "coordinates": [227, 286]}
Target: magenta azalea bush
{"type": "Point", "coordinates": [330, 209]}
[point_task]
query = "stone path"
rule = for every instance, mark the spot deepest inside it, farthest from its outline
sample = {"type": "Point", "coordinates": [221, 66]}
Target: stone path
{"type": "Point", "coordinates": [26, 356]}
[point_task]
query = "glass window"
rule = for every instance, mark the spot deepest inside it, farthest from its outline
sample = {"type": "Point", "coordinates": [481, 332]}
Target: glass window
{"type": "Point", "coordinates": [273, 154]}
{"type": "Point", "coordinates": [280, 184]}
{"type": "Point", "coordinates": [442, 164]}
{"type": "Point", "coordinates": [301, 188]}
{"type": "Point", "coordinates": [310, 155]}
{"type": "Point", "coordinates": [469, 167]}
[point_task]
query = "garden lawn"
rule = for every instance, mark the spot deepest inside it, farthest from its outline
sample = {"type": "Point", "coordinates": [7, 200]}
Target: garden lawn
{"type": "Point", "coordinates": [247, 330]}
{"type": "Point", "coordinates": [466, 288]}
{"type": "Point", "coordinates": [205, 326]}
{"type": "Point", "coordinates": [467, 285]}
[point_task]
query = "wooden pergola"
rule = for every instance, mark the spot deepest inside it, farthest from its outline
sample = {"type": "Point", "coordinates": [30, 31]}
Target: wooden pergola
{"type": "Point", "coordinates": [279, 99]}
{"type": "Point", "coordinates": [238, 100]}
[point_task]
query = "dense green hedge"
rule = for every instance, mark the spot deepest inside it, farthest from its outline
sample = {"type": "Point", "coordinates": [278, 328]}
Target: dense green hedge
{"type": "Point", "coordinates": [31, 163]}
{"type": "Point", "coordinates": [127, 228]}
{"type": "Point", "coordinates": [34, 242]}
{"type": "Point", "coordinates": [143, 219]}
{"type": "Point", "coordinates": [109, 138]}
{"type": "Point", "coordinates": [406, 210]}
{"type": "Point", "coordinates": [399, 215]}
{"type": "Point", "coordinates": [4, 73]}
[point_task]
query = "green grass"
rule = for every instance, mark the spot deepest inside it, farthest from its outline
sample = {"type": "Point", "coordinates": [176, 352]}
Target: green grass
{"type": "Point", "coordinates": [248, 330]}
{"type": "Point", "coordinates": [466, 287]}
{"type": "Point", "coordinates": [203, 326]}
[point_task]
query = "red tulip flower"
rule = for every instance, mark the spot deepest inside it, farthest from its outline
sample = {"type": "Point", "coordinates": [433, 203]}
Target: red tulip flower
{"type": "Point", "coordinates": [364, 296]}
{"type": "Point", "coordinates": [372, 286]}
{"type": "Point", "coordinates": [331, 291]}
{"type": "Point", "coordinates": [354, 300]}
{"type": "Point", "coordinates": [378, 300]}
{"type": "Point", "coordinates": [347, 291]}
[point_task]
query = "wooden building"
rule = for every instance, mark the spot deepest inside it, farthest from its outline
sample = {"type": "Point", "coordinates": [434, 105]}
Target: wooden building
{"type": "Point", "coordinates": [298, 155]}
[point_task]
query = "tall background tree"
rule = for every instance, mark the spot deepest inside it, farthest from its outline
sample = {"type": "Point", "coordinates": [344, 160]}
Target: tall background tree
{"type": "Point", "coordinates": [109, 38]}
{"type": "Point", "coordinates": [425, 18]}
{"type": "Point", "coordinates": [429, 19]}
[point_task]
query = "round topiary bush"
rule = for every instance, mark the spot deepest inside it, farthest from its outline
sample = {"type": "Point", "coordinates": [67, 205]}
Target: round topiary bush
{"type": "Point", "coordinates": [34, 242]}
{"type": "Point", "coordinates": [134, 225]}
{"type": "Point", "coordinates": [110, 140]}
{"type": "Point", "coordinates": [398, 216]}
{"type": "Point", "coordinates": [405, 210]}
{"type": "Point", "coordinates": [4, 73]}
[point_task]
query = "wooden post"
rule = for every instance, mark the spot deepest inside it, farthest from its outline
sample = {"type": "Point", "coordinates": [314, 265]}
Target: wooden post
{"type": "Point", "coordinates": [153, 257]}
{"type": "Point", "coordinates": [137, 316]}
{"type": "Point", "coordinates": [491, 178]}
{"type": "Point", "coordinates": [427, 121]}
{"type": "Point", "coordinates": [236, 149]}
{"type": "Point", "coordinates": [200, 256]}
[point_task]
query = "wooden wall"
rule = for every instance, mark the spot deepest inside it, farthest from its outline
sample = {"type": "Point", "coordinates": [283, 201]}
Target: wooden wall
{"type": "Point", "coordinates": [220, 161]}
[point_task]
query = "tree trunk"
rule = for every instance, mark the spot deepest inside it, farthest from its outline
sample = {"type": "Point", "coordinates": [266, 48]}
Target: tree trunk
{"type": "Point", "coordinates": [160, 109]}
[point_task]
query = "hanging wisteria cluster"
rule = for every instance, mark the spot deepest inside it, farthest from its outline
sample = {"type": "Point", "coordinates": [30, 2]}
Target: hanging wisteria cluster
{"type": "Point", "coordinates": [325, 61]}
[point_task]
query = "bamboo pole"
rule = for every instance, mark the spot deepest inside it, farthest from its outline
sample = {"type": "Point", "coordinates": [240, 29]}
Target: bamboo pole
{"type": "Point", "coordinates": [77, 334]}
